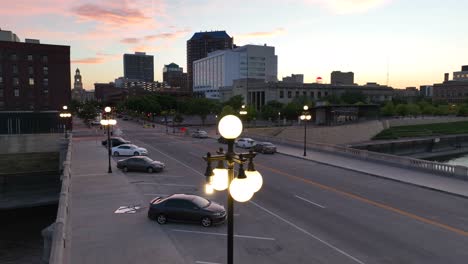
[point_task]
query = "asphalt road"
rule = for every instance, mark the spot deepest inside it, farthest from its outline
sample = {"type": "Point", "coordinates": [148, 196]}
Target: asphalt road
{"type": "Point", "coordinates": [306, 212]}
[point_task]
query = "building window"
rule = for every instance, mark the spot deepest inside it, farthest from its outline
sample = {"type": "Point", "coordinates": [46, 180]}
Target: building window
{"type": "Point", "coordinates": [46, 70]}
{"type": "Point", "coordinates": [30, 70]}
{"type": "Point", "coordinates": [2, 104]}
{"type": "Point", "coordinates": [30, 57]}
{"type": "Point", "coordinates": [15, 69]}
{"type": "Point", "coordinates": [319, 94]}
{"type": "Point", "coordinates": [289, 94]}
{"type": "Point", "coordinates": [312, 94]}
{"type": "Point", "coordinates": [16, 92]}
{"type": "Point", "coordinates": [297, 93]}
{"type": "Point", "coordinates": [281, 94]}
{"type": "Point", "coordinates": [1, 80]}
{"type": "Point", "coordinates": [15, 81]}
{"type": "Point", "coordinates": [1, 92]}
{"type": "Point", "coordinates": [46, 91]}
{"type": "Point", "coordinates": [31, 81]}
{"type": "Point", "coordinates": [45, 59]}
{"type": "Point", "coordinates": [304, 93]}
{"type": "Point", "coordinates": [13, 57]}
{"type": "Point", "coordinates": [326, 93]}
{"type": "Point", "coordinates": [45, 82]}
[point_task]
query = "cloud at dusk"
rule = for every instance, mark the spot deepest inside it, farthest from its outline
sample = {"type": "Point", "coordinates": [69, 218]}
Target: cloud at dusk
{"type": "Point", "coordinates": [272, 33]}
{"type": "Point", "coordinates": [130, 40]}
{"type": "Point", "coordinates": [123, 15]}
{"type": "Point", "coordinates": [91, 60]}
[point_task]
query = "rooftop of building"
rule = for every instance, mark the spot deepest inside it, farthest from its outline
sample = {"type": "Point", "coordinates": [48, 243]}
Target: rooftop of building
{"type": "Point", "coordinates": [210, 34]}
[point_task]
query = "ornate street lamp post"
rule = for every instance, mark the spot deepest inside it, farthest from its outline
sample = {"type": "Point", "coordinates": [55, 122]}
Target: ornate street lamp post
{"type": "Point", "coordinates": [305, 117]}
{"type": "Point", "coordinates": [107, 123]}
{"type": "Point", "coordinates": [65, 115]}
{"type": "Point", "coordinates": [242, 187]}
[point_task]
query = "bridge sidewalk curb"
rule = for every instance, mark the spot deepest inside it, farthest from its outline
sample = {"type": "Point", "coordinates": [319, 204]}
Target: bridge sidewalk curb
{"type": "Point", "coordinates": [372, 174]}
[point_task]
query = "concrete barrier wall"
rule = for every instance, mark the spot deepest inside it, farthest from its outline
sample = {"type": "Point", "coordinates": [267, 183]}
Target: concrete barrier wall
{"type": "Point", "coordinates": [452, 171]}
{"type": "Point", "coordinates": [59, 232]}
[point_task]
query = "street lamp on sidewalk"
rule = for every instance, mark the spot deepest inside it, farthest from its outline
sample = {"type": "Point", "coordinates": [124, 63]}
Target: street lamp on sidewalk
{"type": "Point", "coordinates": [242, 187]}
{"type": "Point", "coordinates": [107, 123]}
{"type": "Point", "coordinates": [305, 117]}
{"type": "Point", "coordinates": [65, 115]}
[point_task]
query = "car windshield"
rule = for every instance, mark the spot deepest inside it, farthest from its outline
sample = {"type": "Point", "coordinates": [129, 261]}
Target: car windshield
{"type": "Point", "coordinates": [201, 202]}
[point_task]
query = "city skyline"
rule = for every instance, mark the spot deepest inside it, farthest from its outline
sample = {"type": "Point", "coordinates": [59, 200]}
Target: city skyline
{"type": "Point", "coordinates": [416, 43]}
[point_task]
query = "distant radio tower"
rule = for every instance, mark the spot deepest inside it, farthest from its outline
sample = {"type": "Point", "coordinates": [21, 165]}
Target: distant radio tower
{"type": "Point", "coordinates": [388, 71]}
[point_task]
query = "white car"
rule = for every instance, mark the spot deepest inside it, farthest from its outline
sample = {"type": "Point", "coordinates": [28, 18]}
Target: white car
{"type": "Point", "coordinates": [245, 143]}
{"type": "Point", "coordinates": [200, 134]}
{"type": "Point", "coordinates": [129, 150]}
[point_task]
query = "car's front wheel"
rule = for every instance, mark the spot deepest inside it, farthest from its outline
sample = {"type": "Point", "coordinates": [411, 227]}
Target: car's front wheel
{"type": "Point", "coordinates": [116, 153]}
{"type": "Point", "coordinates": [161, 219]}
{"type": "Point", "coordinates": [206, 221]}
{"type": "Point", "coordinates": [149, 170]}
{"type": "Point", "coordinates": [125, 168]}
{"type": "Point", "coordinates": [136, 154]}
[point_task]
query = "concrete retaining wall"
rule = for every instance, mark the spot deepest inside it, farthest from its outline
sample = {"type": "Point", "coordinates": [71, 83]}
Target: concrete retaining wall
{"type": "Point", "coordinates": [422, 121]}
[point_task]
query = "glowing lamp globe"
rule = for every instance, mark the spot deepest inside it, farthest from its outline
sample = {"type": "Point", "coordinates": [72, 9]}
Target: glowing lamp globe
{"type": "Point", "coordinates": [107, 109]}
{"type": "Point", "coordinates": [306, 108]}
{"type": "Point", "coordinates": [65, 107]}
{"type": "Point", "coordinates": [220, 180]}
{"type": "Point", "coordinates": [104, 122]}
{"type": "Point", "coordinates": [112, 122]}
{"type": "Point", "coordinates": [240, 190]}
{"type": "Point", "coordinates": [230, 127]}
{"type": "Point", "coordinates": [255, 180]}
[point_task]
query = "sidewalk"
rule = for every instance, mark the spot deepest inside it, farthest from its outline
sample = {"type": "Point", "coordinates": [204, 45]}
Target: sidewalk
{"type": "Point", "coordinates": [415, 177]}
{"type": "Point", "coordinates": [98, 235]}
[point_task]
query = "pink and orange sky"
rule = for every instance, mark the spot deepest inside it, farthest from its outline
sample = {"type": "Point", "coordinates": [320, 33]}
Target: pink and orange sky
{"type": "Point", "coordinates": [414, 41]}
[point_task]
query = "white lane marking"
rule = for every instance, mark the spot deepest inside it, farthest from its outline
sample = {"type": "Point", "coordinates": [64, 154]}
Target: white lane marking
{"type": "Point", "coordinates": [166, 184]}
{"type": "Point", "coordinates": [205, 262]}
{"type": "Point", "coordinates": [169, 156]}
{"type": "Point", "coordinates": [307, 233]}
{"type": "Point", "coordinates": [304, 199]}
{"type": "Point", "coordinates": [222, 234]}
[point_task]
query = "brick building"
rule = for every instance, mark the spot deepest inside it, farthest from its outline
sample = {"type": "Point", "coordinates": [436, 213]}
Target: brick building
{"type": "Point", "coordinates": [34, 86]}
{"type": "Point", "coordinates": [452, 91]}
{"type": "Point", "coordinates": [174, 76]}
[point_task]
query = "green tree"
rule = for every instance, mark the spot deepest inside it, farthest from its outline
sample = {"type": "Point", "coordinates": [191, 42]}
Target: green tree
{"type": "Point", "coordinates": [202, 107]}
{"type": "Point", "coordinates": [271, 109]}
{"type": "Point", "coordinates": [251, 113]}
{"type": "Point", "coordinates": [332, 99]}
{"type": "Point", "coordinates": [402, 110]}
{"type": "Point", "coordinates": [235, 102]}
{"type": "Point", "coordinates": [413, 109]}
{"type": "Point", "coordinates": [292, 110]}
{"type": "Point", "coordinates": [88, 112]}
{"type": "Point", "coordinates": [388, 109]}
{"type": "Point", "coordinates": [227, 110]}
{"type": "Point", "coordinates": [442, 110]}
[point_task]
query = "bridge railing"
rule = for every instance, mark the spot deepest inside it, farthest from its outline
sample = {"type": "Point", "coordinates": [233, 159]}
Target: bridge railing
{"type": "Point", "coordinates": [443, 169]}
{"type": "Point", "coordinates": [59, 236]}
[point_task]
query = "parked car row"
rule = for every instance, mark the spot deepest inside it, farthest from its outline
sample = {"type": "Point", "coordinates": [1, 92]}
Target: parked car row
{"type": "Point", "coordinates": [140, 163]}
{"type": "Point", "coordinates": [116, 141]}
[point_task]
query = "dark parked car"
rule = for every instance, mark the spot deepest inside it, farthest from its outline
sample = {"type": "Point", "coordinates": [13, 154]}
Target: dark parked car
{"type": "Point", "coordinates": [265, 147]}
{"type": "Point", "coordinates": [140, 163]}
{"type": "Point", "coordinates": [116, 141]}
{"type": "Point", "coordinates": [186, 208]}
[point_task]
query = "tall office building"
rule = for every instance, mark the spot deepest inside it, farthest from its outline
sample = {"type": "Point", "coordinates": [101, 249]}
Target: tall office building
{"type": "Point", "coordinates": [203, 43]}
{"type": "Point", "coordinates": [342, 78]}
{"type": "Point", "coordinates": [139, 66]}
{"type": "Point", "coordinates": [174, 76]}
{"type": "Point", "coordinates": [221, 68]}
{"type": "Point", "coordinates": [34, 85]}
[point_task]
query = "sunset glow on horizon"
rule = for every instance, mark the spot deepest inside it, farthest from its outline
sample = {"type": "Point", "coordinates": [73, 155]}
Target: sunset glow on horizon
{"type": "Point", "coordinates": [410, 43]}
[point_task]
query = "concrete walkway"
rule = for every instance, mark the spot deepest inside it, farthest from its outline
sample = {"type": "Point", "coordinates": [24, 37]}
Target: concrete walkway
{"type": "Point", "coordinates": [411, 176]}
{"type": "Point", "coordinates": [98, 234]}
